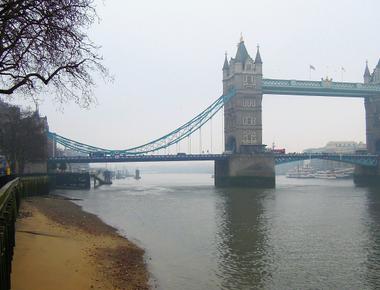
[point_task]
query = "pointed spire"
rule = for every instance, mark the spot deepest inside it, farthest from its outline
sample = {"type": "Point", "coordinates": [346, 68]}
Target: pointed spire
{"type": "Point", "coordinates": [378, 64]}
{"type": "Point", "coordinates": [226, 66]}
{"type": "Point", "coordinates": [241, 53]}
{"type": "Point", "coordinates": [366, 71]}
{"type": "Point", "coordinates": [258, 56]}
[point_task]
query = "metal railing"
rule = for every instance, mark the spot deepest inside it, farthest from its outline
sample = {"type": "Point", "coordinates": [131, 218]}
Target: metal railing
{"type": "Point", "coordinates": [320, 84]}
{"type": "Point", "coordinates": [11, 191]}
{"type": "Point", "coordinates": [320, 88]}
{"type": "Point", "coordinates": [369, 160]}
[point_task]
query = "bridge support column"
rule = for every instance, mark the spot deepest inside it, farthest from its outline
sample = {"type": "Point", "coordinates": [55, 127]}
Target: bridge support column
{"type": "Point", "coordinates": [367, 176]}
{"type": "Point", "coordinates": [246, 170]}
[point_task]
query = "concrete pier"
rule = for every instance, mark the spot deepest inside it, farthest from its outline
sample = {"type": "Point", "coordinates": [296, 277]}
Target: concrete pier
{"type": "Point", "coordinates": [367, 176]}
{"type": "Point", "coordinates": [71, 180]}
{"type": "Point", "coordinates": [246, 170]}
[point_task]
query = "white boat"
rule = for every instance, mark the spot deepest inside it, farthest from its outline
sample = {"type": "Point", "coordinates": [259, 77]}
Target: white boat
{"type": "Point", "coordinates": [334, 174]}
{"type": "Point", "coordinates": [309, 172]}
{"type": "Point", "coordinates": [301, 172]}
{"type": "Point", "coordinates": [324, 175]}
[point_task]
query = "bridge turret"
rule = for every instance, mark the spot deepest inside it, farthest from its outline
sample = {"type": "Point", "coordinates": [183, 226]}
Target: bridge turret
{"type": "Point", "coordinates": [226, 67]}
{"type": "Point", "coordinates": [258, 62]}
{"type": "Point", "coordinates": [242, 114]}
{"type": "Point", "coordinates": [241, 56]}
{"type": "Point", "coordinates": [376, 74]}
{"type": "Point", "coordinates": [367, 74]}
{"type": "Point", "coordinates": [372, 109]}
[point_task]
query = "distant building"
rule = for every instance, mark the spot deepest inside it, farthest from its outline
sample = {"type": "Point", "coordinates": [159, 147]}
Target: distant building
{"type": "Point", "coordinates": [340, 147]}
{"type": "Point", "coordinates": [33, 166]}
{"type": "Point", "coordinates": [4, 107]}
{"type": "Point", "coordinates": [39, 166]}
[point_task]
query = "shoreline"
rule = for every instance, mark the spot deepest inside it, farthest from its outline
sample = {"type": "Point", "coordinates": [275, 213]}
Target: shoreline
{"type": "Point", "coordinates": [60, 246]}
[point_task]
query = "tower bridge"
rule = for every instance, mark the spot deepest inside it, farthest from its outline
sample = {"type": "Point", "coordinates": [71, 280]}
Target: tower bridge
{"type": "Point", "coordinates": [248, 163]}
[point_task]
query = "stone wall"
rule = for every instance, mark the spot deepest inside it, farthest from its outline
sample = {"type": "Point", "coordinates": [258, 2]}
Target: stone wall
{"type": "Point", "coordinates": [35, 167]}
{"type": "Point", "coordinates": [250, 170]}
{"type": "Point", "coordinates": [367, 176]}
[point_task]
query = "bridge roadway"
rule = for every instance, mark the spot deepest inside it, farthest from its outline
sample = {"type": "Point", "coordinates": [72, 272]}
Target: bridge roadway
{"type": "Point", "coordinates": [140, 158]}
{"type": "Point", "coordinates": [359, 159]}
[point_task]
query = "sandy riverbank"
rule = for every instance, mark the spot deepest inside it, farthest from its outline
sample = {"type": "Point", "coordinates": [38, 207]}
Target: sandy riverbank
{"type": "Point", "coordinates": [61, 247]}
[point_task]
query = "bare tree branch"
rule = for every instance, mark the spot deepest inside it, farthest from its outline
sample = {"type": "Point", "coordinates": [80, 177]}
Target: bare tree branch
{"type": "Point", "coordinates": [43, 44]}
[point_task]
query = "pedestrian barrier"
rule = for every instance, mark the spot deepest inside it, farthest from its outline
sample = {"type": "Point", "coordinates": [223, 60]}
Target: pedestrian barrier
{"type": "Point", "coordinates": [11, 191]}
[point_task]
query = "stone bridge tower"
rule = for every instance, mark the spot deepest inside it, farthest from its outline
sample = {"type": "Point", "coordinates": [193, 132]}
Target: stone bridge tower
{"type": "Point", "coordinates": [248, 163]}
{"type": "Point", "coordinates": [372, 109]}
{"type": "Point", "coordinates": [242, 114]}
{"type": "Point", "coordinates": [371, 175]}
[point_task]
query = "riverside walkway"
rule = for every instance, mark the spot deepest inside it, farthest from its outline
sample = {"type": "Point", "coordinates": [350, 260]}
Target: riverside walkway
{"type": "Point", "coordinates": [12, 189]}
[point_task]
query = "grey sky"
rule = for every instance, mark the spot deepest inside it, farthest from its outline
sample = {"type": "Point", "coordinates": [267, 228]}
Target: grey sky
{"type": "Point", "coordinates": [167, 56]}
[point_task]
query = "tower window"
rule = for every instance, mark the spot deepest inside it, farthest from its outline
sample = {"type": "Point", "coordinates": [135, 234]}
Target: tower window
{"type": "Point", "coordinates": [249, 102]}
{"type": "Point", "coordinates": [249, 138]}
{"type": "Point", "coordinates": [252, 139]}
{"type": "Point", "coordinates": [248, 79]}
{"type": "Point", "coordinates": [249, 120]}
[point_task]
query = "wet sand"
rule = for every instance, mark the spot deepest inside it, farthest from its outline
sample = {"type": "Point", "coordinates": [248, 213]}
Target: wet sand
{"type": "Point", "coordinates": [61, 247]}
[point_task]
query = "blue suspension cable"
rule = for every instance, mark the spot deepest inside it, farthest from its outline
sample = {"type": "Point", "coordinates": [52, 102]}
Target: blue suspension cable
{"type": "Point", "coordinates": [163, 142]}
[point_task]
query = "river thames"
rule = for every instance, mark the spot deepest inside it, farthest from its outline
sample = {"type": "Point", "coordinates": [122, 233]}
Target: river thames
{"type": "Point", "coordinates": [304, 234]}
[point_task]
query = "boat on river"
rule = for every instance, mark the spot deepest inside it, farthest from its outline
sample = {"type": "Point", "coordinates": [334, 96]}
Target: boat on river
{"type": "Point", "coordinates": [301, 172]}
{"type": "Point", "coordinates": [309, 172]}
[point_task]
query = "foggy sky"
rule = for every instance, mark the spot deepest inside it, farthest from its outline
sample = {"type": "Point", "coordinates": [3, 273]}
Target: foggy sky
{"type": "Point", "coordinates": [167, 56]}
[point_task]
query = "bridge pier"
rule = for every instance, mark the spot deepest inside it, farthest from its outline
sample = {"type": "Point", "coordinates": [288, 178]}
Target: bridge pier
{"type": "Point", "coordinates": [246, 170]}
{"type": "Point", "coordinates": [367, 176]}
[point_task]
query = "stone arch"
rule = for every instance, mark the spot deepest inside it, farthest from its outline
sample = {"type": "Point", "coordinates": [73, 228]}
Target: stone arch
{"type": "Point", "coordinates": [231, 144]}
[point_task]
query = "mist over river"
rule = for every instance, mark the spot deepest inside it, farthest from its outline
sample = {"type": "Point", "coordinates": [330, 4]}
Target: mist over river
{"type": "Point", "coordinates": [304, 234]}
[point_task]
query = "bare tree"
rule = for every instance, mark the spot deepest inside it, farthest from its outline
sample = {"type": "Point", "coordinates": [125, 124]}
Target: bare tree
{"type": "Point", "coordinates": [44, 42]}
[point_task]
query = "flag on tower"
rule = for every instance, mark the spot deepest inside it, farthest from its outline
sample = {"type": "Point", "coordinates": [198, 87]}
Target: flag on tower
{"type": "Point", "coordinates": [312, 67]}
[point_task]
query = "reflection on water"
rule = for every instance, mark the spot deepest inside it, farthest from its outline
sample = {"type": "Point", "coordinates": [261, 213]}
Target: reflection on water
{"type": "Point", "coordinates": [244, 258]}
{"type": "Point", "coordinates": [305, 234]}
{"type": "Point", "coordinates": [373, 243]}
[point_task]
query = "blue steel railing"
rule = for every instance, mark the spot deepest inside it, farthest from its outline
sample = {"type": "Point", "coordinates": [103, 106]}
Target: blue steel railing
{"type": "Point", "coordinates": [139, 158]}
{"type": "Point", "coordinates": [320, 88]}
{"type": "Point", "coordinates": [359, 159]}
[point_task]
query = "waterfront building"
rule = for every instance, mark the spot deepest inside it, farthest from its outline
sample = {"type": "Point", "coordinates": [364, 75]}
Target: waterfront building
{"type": "Point", "coordinates": [337, 147]}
